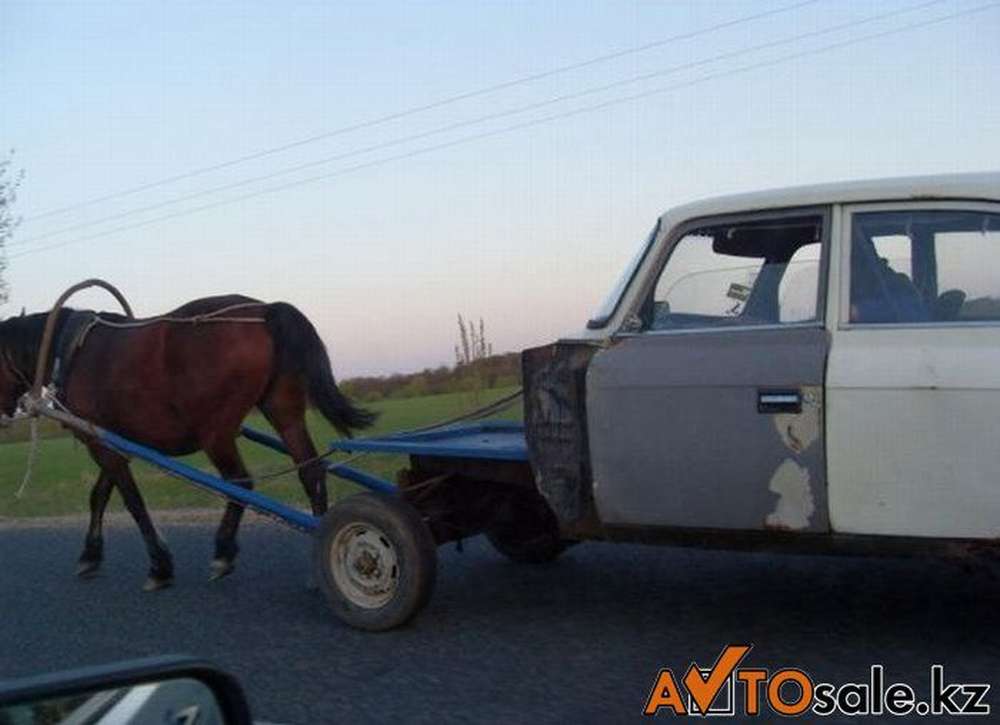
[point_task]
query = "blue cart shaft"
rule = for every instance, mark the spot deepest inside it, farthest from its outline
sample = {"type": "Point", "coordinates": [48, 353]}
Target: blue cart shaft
{"type": "Point", "coordinates": [500, 441]}
{"type": "Point", "coordinates": [488, 441]}
{"type": "Point", "coordinates": [251, 499]}
{"type": "Point", "coordinates": [265, 439]}
{"type": "Point", "coordinates": [373, 483]}
{"type": "Point", "coordinates": [356, 475]}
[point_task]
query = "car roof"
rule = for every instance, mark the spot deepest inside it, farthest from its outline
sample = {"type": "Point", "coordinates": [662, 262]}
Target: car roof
{"type": "Point", "coordinates": [985, 186]}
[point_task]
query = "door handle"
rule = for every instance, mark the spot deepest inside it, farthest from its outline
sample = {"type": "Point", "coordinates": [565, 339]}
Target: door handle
{"type": "Point", "coordinates": [774, 401]}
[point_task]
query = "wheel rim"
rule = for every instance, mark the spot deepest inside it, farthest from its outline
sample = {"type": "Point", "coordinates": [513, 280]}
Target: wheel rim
{"type": "Point", "coordinates": [364, 565]}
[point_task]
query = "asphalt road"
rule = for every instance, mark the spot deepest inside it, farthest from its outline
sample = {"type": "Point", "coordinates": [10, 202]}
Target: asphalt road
{"type": "Point", "coordinates": [577, 641]}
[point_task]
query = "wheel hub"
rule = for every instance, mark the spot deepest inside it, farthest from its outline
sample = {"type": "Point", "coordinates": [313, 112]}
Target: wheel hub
{"type": "Point", "coordinates": [364, 565]}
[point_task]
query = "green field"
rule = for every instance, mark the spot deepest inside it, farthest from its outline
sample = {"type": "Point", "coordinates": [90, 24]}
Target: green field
{"type": "Point", "coordinates": [63, 472]}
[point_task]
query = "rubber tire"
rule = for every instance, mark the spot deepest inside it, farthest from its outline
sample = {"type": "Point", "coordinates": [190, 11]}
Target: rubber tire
{"type": "Point", "coordinates": [535, 539]}
{"type": "Point", "coordinates": [416, 555]}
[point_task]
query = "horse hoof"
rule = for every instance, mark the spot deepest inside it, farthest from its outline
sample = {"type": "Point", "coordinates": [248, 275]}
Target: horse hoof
{"type": "Point", "coordinates": [153, 584]}
{"type": "Point", "coordinates": [221, 568]}
{"type": "Point", "coordinates": [87, 569]}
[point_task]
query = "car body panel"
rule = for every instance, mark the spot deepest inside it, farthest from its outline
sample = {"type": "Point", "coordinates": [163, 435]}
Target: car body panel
{"type": "Point", "coordinates": [894, 437]}
{"type": "Point", "coordinates": [678, 438]}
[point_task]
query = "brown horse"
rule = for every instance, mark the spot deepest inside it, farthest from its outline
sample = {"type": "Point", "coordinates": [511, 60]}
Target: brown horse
{"type": "Point", "coordinates": [181, 386]}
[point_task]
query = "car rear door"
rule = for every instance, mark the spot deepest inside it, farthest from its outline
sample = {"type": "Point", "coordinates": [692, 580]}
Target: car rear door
{"type": "Point", "coordinates": [914, 373]}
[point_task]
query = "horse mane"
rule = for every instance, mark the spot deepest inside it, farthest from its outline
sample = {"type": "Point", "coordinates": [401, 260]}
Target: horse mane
{"type": "Point", "coordinates": [21, 336]}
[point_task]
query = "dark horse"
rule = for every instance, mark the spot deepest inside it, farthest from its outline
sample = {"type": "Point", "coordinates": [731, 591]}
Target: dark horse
{"type": "Point", "coordinates": [181, 387]}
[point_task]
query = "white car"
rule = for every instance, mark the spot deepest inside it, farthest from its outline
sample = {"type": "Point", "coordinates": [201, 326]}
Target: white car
{"type": "Point", "coordinates": [816, 366]}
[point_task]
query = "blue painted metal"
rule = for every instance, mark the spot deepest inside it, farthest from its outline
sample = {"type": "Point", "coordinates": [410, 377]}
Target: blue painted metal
{"type": "Point", "coordinates": [373, 483]}
{"type": "Point", "coordinates": [491, 440]}
{"type": "Point", "coordinates": [213, 484]}
{"type": "Point", "coordinates": [264, 439]}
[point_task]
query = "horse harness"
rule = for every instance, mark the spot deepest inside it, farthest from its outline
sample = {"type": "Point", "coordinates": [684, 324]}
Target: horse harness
{"type": "Point", "coordinates": [79, 323]}
{"type": "Point", "coordinates": [70, 339]}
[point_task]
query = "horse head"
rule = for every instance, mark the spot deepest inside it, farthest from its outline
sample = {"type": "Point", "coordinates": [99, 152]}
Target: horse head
{"type": "Point", "coordinates": [18, 349]}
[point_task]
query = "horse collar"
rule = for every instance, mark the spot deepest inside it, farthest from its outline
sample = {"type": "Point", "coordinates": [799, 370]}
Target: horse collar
{"type": "Point", "coordinates": [71, 337]}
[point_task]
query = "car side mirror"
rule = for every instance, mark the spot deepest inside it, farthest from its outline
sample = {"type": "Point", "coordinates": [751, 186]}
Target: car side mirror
{"type": "Point", "coordinates": [179, 690]}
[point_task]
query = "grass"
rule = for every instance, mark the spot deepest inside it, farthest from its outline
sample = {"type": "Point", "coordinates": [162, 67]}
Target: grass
{"type": "Point", "coordinates": [63, 472]}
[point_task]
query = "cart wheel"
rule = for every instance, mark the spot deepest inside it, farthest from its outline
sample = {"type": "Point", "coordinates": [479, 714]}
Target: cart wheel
{"type": "Point", "coordinates": [376, 561]}
{"type": "Point", "coordinates": [529, 532]}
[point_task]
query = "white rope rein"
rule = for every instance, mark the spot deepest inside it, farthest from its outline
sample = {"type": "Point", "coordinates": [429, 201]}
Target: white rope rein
{"type": "Point", "coordinates": [32, 457]}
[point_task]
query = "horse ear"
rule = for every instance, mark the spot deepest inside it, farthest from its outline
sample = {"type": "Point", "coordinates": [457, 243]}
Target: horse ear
{"type": "Point", "coordinates": [22, 312]}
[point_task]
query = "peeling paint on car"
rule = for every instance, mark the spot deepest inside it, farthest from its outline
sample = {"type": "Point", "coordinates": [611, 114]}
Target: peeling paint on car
{"type": "Point", "coordinates": [798, 431]}
{"type": "Point", "coordinates": [795, 503]}
{"type": "Point", "coordinates": [678, 437]}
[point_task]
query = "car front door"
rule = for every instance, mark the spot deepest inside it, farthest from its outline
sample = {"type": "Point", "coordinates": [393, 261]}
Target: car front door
{"type": "Point", "coordinates": [707, 409]}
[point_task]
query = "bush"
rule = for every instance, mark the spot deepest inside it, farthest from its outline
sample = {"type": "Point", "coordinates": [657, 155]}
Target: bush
{"type": "Point", "coordinates": [488, 372]}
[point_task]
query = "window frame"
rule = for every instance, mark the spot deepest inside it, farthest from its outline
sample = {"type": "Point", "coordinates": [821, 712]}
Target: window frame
{"type": "Point", "coordinates": [662, 258]}
{"type": "Point", "coordinates": [846, 239]}
{"type": "Point", "coordinates": [609, 308]}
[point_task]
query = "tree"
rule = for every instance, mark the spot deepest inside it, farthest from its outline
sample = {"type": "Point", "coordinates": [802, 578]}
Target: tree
{"type": "Point", "coordinates": [9, 181]}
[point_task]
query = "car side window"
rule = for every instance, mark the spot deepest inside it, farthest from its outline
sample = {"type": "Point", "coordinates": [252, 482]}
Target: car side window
{"type": "Point", "coordinates": [896, 249]}
{"type": "Point", "coordinates": [750, 273]}
{"type": "Point", "coordinates": [924, 266]}
{"type": "Point", "coordinates": [799, 287]}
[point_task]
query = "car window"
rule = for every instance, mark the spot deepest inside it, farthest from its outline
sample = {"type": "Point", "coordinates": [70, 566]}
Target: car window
{"type": "Point", "coordinates": [799, 287]}
{"type": "Point", "coordinates": [924, 266]}
{"type": "Point", "coordinates": [753, 273]}
{"type": "Point", "coordinates": [896, 249]}
{"type": "Point", "coordinates": [967, 267]}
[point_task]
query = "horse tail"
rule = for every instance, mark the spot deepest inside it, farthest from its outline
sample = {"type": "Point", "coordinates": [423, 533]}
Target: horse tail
{"type": "Point", "coordinates": [299, 350]}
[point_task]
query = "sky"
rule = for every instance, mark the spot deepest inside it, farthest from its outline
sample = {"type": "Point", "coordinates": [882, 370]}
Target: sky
{"type": "Point", "coordinates": [524, 219]}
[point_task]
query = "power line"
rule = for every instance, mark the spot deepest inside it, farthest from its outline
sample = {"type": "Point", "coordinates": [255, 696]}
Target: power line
{"type": "Point", "coordinates": [514, 127]}
{"type": "Point", "coordinates": [471, 122]}
{"type": "Point", "coordinates": [518, 126]}
{"type": "Point", "coordinates": [425, 107]}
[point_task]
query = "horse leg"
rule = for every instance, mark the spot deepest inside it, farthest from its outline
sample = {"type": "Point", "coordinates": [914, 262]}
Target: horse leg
{"type": "Point", "coordinates": [226, 458]}
{"type": "Point", "coordinates": [285, 409]}
{"type": "Point", "coordinates": [312, 475]}
{"type": "Point", "coordinates": [161, 564]}
{"type": "Point", "coordinates": [93, 545]}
